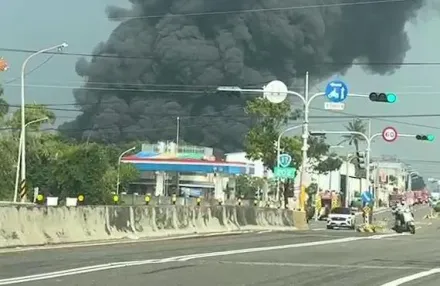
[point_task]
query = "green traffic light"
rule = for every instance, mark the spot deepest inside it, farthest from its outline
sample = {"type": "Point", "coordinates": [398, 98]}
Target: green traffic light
{"type": "Point", "coordinates": [430, 137]}
{"type": "Point", "coordinates": [391, 97]}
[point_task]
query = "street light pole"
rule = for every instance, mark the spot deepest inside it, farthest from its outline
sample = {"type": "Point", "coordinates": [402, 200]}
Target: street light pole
{"type": "Point", "coordinates": [20, 143]}
{"type": "Point", "coordinates": [306, 100]}
{"type": "Point", "coordinates": [118, 180]}
{"type": "Point", "coordinates": [23, 123]}
{"type": "Point", "coordinates": [277, 193]}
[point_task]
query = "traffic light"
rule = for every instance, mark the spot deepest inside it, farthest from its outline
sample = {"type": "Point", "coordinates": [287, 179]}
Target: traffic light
{"type": "Point", "coordinates": [383, 97]}
{"type": "Point", "coordinates": [428, 137]}
{"type": "Point", "coordinates": [361, 159]}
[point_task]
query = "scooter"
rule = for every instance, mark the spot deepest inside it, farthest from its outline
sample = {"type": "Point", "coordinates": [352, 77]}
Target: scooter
{"type": "Point", "coordinates": [405, 222]}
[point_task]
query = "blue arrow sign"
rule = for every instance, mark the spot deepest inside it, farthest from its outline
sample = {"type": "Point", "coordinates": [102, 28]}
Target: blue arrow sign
{"type": "Point", "coordinates": [366, 197]}
{"type": "Point", "coordinates": [284, 160]}
{"type": "Point", "coordinates": [336, 91]}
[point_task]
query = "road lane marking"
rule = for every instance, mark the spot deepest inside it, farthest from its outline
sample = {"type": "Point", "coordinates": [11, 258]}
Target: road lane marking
{"type": "Point", "coordinates": [307, 265]}
{"type": "Point", "coordinates": [121, 241]}
{"type": "Point", "coordinates": [102, 267]}
{"type": "Point", "coordinates": [412, 277]}
{"type": "Point", "coordinates": [381, 236]}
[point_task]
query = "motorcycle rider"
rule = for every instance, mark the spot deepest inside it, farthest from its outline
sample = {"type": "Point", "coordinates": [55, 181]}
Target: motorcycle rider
{"type": "Point", "coordinates": [398, 212]}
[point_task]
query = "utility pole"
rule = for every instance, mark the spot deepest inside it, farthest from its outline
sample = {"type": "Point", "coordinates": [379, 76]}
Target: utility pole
{"type": "Point", "coordinates": [177, 151]}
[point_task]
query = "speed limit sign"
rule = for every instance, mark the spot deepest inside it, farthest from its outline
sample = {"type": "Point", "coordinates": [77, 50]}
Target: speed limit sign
{"type": "Point", "coordinates": [389, 134]}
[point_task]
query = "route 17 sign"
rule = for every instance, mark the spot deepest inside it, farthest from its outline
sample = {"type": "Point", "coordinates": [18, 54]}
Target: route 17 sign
{"type": "Point", "coordinates": [389, 134]}
{"type": "Point", "coordinates": [284, 160]}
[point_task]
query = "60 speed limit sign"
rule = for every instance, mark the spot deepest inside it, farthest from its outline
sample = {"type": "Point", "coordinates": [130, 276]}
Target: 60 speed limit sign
{"type": "Point", "coordinates": [389, 134]}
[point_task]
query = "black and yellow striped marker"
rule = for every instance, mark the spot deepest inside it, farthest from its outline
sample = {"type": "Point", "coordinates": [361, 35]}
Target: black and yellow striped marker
{"type": "Point", "coordinates": [23, 189]}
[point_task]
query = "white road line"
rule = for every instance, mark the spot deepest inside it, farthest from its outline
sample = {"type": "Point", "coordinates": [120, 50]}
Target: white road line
{"type": "Point", "coordinates": [125, 241]}
{"type": "Point", "coordinates": [101, 267]}
{"type": "Point", "coordinates": [413, 277]}
{"type": "Point", "coordinates": [388, 235]}
{"type": "Point", "coordinates": [306, 265]}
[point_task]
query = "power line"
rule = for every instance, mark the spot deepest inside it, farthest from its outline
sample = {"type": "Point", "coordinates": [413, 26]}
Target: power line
{"type": "Point", "coordinates": [119, 127]}
{"type": "Point", "coordinates": [31, 71]}
{"type": "Point", "coordinates": [382, 120]}
{"type": "Point", "coordinates": [219, 114]}
{"type": "Point", "coordinates": [139, 87]}
{"type": "Point", "coordinates": [149, 57]}
{"type": "Point", "coordinates": [421, 161]}
{"type": "Point", "coordinates": [260, 10]}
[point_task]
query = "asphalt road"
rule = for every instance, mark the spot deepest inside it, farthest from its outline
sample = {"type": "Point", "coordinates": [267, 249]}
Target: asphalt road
{"type": "Point", "coordinates": [315, 257]}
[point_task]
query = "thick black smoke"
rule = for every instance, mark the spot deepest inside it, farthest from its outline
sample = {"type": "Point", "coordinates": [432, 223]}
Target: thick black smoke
{"type": "Point", "coordinates": [166, 57]}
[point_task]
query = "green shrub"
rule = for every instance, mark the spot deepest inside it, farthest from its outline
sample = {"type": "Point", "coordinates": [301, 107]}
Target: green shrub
{"type": "Point", "coordinates": [437, 207]}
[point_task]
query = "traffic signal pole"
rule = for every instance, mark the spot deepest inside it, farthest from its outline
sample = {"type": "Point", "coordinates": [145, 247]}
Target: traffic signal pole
{"type": "Point", "coordinates": [368, 140]}
{"type": "Point", "coordinates": [279, 91]}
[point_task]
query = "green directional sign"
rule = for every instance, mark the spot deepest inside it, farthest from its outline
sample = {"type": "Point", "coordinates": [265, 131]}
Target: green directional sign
{"type": "Point", "coordinates": [285, 173]}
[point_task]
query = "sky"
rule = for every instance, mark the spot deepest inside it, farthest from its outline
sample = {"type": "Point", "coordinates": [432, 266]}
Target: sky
{"type": "Point", "coordinates": [83, 24]}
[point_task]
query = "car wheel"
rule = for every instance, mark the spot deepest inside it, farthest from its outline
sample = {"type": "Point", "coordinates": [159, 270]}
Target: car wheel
{"type": "Point", "coordinates": [329, 227]}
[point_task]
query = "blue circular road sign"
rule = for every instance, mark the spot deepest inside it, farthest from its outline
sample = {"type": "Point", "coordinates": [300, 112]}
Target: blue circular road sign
{"type": "Point", "coordinates": [336, 91]}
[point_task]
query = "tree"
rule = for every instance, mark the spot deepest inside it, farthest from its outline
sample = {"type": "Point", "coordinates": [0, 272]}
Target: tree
{"type": "Point", "coordinates": [246, 186]}
{"type": "Point", "coordinates": [356, 125]}
{"type": "Point", "coordinates": [261, 140]}
{"type": "Point", "coordinates": [32, 112]}
{"type": "Point", "coordinates": [4, 106]}
{"type": "Point", "coordinates": [8, 149]}
{"type": "Point", "coordinates": [56, 166]}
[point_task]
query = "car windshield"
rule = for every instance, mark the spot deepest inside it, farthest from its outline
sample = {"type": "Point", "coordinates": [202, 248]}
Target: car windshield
{"type": "Point", "coordinates": [341, 211]}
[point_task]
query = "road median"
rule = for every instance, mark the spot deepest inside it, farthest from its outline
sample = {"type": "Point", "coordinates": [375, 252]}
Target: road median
{"type": "Point", "coordinates": [36, 226]}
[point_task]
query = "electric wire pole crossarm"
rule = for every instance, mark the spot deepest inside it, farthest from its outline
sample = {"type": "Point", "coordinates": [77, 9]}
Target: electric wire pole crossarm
{"type": "Point", "coordinates": [23, 112]}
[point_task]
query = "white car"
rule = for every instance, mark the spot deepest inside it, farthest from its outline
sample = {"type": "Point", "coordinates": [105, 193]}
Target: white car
{"type": "Point", "coordinates": [341, 218]}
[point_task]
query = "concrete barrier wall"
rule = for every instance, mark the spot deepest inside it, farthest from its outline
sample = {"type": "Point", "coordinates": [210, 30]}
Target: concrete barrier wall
{"type": "Point", "coordinates": [25, 225]}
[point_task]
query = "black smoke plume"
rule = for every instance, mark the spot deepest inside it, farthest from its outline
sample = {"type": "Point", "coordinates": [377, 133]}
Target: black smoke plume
{"type": "Point", "coordinates": [167, 56]}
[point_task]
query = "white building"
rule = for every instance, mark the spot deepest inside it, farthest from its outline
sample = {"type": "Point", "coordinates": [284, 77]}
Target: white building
{"type": "Point", "coordinates": [388, 176]}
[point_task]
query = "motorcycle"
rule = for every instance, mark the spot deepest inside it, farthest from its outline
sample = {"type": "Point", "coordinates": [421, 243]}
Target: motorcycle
{"type": "Point", "coordinates": [405, 222]}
